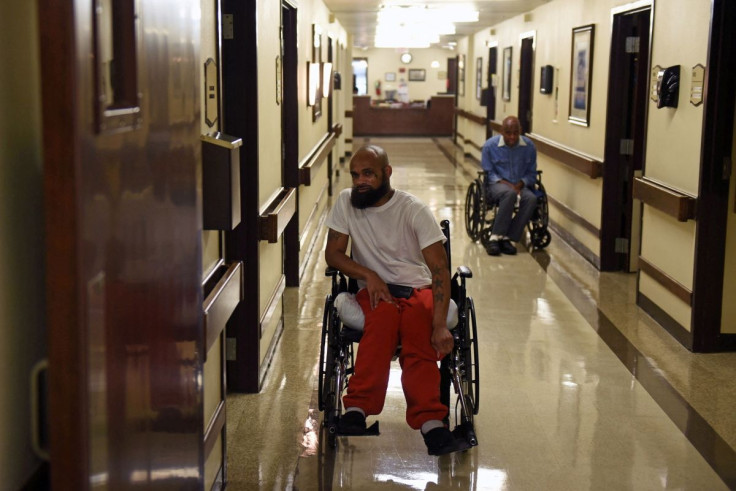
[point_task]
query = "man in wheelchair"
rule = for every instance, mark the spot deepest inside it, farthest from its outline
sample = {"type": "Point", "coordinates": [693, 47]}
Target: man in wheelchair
{"type": "Point", "coordinates": [398, 258]}
{"type": "Point", "coordinates": [510, 162]}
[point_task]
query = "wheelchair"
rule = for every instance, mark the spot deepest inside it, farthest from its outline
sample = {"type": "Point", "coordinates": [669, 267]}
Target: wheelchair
{"type": "Point", "coordinates": [480, 213]}
{"type": "Point", "coordinates": [459, 369]}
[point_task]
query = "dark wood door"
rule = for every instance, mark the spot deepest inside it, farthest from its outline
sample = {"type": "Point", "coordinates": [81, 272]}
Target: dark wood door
{"type": "Point", "coordinates": [290, 133]}
{"type": "Point", "coordinates": [625, 135]}
{"type": "Point", "coordinates": [491, 97]}
{"type": "Point", "coordinates": [121, 148]}
{"type": "Point", "coordinates": [452, 76]}
{"type": "Point", "coordinates": [526, 83]}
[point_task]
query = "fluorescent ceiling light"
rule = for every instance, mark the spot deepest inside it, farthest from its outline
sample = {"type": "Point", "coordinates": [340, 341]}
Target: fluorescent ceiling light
{"type": "Point", "coordinates": [418, 26]}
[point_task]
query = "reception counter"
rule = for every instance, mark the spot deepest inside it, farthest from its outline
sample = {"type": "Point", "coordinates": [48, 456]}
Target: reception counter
{"type": "Point", "coordinates": [437, 119]}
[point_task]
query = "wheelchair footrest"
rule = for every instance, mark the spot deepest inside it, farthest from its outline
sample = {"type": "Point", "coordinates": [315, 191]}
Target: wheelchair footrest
{"type": "Point", "coordinates": [466, 432]}
{"type": "Point", "coordinates": [372, 430]}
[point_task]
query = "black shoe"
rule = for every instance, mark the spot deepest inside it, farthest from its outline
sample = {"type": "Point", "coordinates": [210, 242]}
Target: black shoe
{"type": "Point", "coordinates": [351, 423]}
{"type": "Point", "coordinates": [507, 247]}
{"type": "Point", "coordinates": [440, 441]}
{"type": "Point", "coordinates": [493, 248]}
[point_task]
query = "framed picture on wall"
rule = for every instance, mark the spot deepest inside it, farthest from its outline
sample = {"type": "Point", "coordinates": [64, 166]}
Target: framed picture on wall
{"type": "Point", "coordinates": [417, 74]}
{"type": "Point", "coordinates": [390, 76]}
{"type": "Point", "coordinates": [478, 77]}
{"type": "Point", "coordinates": [581, 74]}
{"type": "Point", "coordinates": [506, 89]}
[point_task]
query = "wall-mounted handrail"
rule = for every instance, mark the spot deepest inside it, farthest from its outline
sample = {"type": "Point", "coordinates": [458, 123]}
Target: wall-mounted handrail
{"type": "Point", "coordinates": [471, 116]}
{"type": "Point", "coordinates": [277, 214]}
{"type": "Point", "coordinates": [221, 301]}
{"type": "Point", "coordinates": [578, 161]}
{"type": "Point", "coordinates": [312, 162]}
{"type": "Point", "coordinates": [664, 198]}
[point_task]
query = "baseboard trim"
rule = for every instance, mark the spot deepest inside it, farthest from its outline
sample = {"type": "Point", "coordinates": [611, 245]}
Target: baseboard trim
{"type": "Point", "coordinates": [578, 246]}
{"type": "Point", "coordinates": [677, 331]}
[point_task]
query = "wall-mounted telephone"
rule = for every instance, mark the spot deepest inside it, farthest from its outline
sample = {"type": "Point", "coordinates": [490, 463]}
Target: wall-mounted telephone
{"type": "Point", "coordinates": [668, 86]}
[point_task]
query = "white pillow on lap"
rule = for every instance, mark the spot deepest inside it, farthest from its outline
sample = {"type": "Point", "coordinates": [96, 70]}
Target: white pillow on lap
{"type": "Point", "coordinates": [352, 315]}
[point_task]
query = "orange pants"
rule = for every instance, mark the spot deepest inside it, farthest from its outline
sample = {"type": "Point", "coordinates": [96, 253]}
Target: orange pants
{"type": "Point", "coordinates": [385, 327]}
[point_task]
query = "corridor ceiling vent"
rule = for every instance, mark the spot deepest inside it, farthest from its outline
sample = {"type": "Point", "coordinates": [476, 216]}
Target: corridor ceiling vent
{"type": "Point", "coordinates": [418, 26]}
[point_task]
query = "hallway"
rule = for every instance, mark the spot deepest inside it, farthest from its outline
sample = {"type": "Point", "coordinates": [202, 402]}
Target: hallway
{"type": "Point", "coordinates": [579, 388]}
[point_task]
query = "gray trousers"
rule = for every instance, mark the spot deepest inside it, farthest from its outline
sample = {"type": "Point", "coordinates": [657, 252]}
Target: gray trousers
{"type": "Point", "coordinates": [506, 223]}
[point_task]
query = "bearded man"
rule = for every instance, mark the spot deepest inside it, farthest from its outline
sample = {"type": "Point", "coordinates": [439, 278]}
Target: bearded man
{"type": "Point", "coordinates": [399, 261]}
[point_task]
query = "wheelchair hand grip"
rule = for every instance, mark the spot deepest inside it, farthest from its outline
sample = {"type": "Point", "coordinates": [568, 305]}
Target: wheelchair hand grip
{"type": "Point", "coordinates": [330, 271]}
{"type": "Point", "coordinates": [464, 272]}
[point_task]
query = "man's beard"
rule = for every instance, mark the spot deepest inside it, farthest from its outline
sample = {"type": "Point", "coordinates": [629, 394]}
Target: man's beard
{"type": "Point", "coordinates": [365, 199]}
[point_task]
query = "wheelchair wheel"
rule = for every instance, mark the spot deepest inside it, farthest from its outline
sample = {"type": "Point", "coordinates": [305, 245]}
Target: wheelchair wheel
{"type": "Point", "coordinates": [487, 230]}
{"type": "Point", "coordinates": [323, 353]}
{"type": "Point", "coordinates": [331, 377]}
{"type": "Point", "coordinates": [542, 207]}
{"type": "Point", "coordinates": [541, 238]}
{"type": "Point", "coordinates": [471, 381]}
{"type": "Point", "coordinates": [473, 211]}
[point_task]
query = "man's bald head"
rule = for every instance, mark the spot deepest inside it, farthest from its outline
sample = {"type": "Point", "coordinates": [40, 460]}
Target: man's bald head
{"type": "Point", "coordinates": [510, 130]}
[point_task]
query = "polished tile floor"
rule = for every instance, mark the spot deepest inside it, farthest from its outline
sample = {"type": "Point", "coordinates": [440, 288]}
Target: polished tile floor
{"type": "Point", "coordinates": [579, 388]}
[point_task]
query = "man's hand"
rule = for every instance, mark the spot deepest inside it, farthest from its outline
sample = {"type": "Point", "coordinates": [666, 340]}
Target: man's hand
{"type": "Point", "coordinates": [441, 340]}
{"type": "Point", "coordinates": [377, 290]}
{"type": "Point", "coordinates": [516, 187]}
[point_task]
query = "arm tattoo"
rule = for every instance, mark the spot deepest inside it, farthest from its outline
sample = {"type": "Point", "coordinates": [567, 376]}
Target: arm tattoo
{"type": "Point", "coordinates": [438, 285]}
{"type": "Point", "coordinates": [333, 235]}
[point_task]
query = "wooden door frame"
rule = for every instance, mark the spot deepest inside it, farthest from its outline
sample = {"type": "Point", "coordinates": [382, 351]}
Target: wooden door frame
{"type": "Point", "coordinates": [527, 128]}
{"type": "Point", "coordinates": [330, 115]}
{"type": "Point", "coordinates": [613, 206]}
{"type": "Point", "coordinates": [715, 169]}
{"type": "Point", "coordinates": [68, 445]}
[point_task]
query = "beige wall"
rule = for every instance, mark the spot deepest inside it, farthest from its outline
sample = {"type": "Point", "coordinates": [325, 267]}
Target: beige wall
{"type": "Point", "coordinates": [673, 150]}
{"type": "Point", "coordinates": [313, 198]}
{"type": "Point", "coordinates": [22, 320]}
{"type": "Point", "coordinates": [386, 60]}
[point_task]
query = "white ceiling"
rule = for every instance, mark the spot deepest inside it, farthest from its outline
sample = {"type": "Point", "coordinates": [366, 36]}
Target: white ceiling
{"type": "Point", "coordinates": [358, 17]}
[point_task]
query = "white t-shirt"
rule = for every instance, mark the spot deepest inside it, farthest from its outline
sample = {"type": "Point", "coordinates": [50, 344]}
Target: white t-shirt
{"type": "Point", "coordinates": [389, 239]}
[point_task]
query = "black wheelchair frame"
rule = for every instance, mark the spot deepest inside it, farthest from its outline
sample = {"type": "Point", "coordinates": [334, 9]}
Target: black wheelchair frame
{"type": "Point", "coordinates": [480, 213]}
{"type": "Point", "coordinates": [458, 369]}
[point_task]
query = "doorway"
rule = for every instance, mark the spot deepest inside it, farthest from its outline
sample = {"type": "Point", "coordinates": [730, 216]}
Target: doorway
{"type": "Point", "coordinates": [625, 138]}
{"type": "Point", "coordinates": [491, 91]}
{"type": "Point", "coordinates": [360, 76]}
{"type": "Point", "coordinates": [290, 133]}
{"type": "Point", "coordinates": [526, 81]}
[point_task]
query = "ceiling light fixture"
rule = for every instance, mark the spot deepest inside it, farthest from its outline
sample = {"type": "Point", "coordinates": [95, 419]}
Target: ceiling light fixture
{"type": "Point", "coordinates": [418, 26]}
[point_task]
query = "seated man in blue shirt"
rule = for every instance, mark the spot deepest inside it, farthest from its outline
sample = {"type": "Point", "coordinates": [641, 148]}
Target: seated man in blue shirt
{"type": "Point", "coordinates": [510, 162]}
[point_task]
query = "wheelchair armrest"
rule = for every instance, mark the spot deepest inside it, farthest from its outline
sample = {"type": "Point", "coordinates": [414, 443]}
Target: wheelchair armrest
{"type": "Point", "coordinates": [464, 272]}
